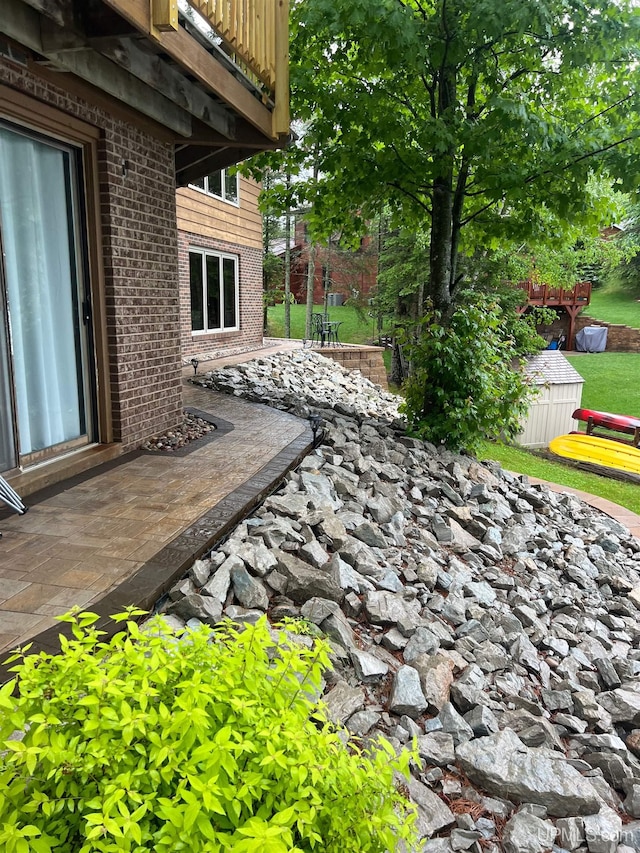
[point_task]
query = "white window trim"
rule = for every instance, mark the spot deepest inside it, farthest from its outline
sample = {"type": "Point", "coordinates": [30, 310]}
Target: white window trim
{"type": "Point", "coordinates": [222, 255]}
{"type": "Point", "coordinates": [210, 194]}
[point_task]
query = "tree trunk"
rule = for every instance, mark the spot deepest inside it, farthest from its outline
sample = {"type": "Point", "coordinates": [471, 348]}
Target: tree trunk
{"type": "Point", "coordinates": [311, 277]}
{"type": "Point", "coordinates": [441, 243]}
{"type": "Point", "coordinates": [287, 264]}
{"type": "Point", "coordinates": [397, 373]}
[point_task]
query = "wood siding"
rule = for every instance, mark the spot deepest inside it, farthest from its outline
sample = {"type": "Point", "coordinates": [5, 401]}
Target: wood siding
{"type": "Point", "coordinates": [200, 213]}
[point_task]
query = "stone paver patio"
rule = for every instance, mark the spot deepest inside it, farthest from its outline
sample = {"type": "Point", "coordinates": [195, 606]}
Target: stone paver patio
{"type": "Point", "coordinates": [120, 534]}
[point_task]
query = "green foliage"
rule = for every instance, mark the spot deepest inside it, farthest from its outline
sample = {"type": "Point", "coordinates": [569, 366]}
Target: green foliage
{"type": "Point", "coordinates": [465, 382]}
{"type": "Point", "coordinates": [479, 121]}
{"type": "Point", "coordinates": [272, 278]}
{"type": "Point", "coordinates": [147, 742]}
{"type": "Point", "coordinates": [403, 269]}
{"type": "Point", "coordinates": [628, 272]}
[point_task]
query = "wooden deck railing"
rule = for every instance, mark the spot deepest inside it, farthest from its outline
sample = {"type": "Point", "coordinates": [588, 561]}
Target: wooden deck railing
{"type": "Point", "coordinates": [546, 295]}
{"type": "Point", "coordinates": [256, 32]}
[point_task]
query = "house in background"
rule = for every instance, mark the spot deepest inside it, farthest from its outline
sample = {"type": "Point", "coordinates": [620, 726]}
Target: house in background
{"type": "Point", "coordinates": [345, 274]}
{"type": "Point", "coordinates": [106, 106]}
{"type": "Point", "coordinates": [220, 259]}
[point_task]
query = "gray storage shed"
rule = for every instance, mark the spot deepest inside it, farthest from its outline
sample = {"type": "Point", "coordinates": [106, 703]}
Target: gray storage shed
{"type": "Point", "coordinates": [559, 393]}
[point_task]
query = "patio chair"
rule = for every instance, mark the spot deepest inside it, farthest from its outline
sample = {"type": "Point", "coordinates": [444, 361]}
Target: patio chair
{"type": "Point", "coordinates": [317, 329]}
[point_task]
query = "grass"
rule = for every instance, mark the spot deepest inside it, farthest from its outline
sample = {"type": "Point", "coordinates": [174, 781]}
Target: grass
{"type": "Point", "coordinates": [611, 381]}
{"type": "Point", "coordinates": [610, 386]}
{"type": "Point", "coordinates": [357, 326]}
{"type": "Point", "coordinates": [615, 303]}
{"type": "Point", "coordinates": [524, 462]}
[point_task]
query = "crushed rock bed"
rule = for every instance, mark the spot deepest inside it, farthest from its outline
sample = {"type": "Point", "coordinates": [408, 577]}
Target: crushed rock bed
{"type": "Point", "coordinates": [276, 380]}
{"type": "Point", "coordinates": [191, 429]}
{"type": "Point", "coordinates": [495, 621]}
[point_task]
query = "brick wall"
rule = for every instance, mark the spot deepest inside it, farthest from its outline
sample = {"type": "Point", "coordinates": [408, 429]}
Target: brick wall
{"type": "Point", "coordinates": [368, 360]}
{"type": "Point", "coordinates": [140, 261]}
{"type": "Point", "coordinates": [251, 306]}
{"type": "Point", "coordinates": [619, 338]}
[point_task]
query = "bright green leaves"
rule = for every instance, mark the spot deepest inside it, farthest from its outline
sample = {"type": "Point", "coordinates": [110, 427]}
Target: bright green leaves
{"type": "Point", "coordinates": [151, 743]}
{"type": "Point", "coordinates": [526, 99]}
{"type": "Point", "coordinates": [464, 384]}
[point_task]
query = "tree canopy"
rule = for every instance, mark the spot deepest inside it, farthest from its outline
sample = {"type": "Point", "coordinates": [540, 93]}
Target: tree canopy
{"type": "Point", "coordinates": [479, 121]}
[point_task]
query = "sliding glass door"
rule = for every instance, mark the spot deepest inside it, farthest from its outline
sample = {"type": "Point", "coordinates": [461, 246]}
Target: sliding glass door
{"type": "Point", "coordinates": [47, 357]}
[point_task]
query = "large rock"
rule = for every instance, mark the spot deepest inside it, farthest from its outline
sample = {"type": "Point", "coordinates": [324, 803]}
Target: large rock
{"type": "Point", "coordinates": [602, 831]}
{"type": "Point", "coordinates": [388, 608]}
{"type": "Point", "coordinates": [249, 591]}
{"type": "Point", "coordinates": [505, 767]}
{"type": "Point", "coordinates": [526, 833]}
{"type": "Point", "coordinates": [218, 585]}
{"type": "Point", "coordinates": [342, 701]}
{"type": "Point", "coordinates": [622, 704]}
{"type": "Point", "coordinates": [436, 677]}
{"type": "Point", "coordinates": [433, 814]}
{"type": "Point", "coordinates": [201, 607]}
{"type": "Point", "coordinates": [407, 696]}
{"type": "Point", "coordinates": [305, 582]}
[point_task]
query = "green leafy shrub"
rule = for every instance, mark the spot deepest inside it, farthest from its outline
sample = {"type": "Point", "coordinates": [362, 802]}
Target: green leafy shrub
{"type": "Point", "coordinates": [465, 382]}
{"type": "Point", "coordinates": [203, 743]}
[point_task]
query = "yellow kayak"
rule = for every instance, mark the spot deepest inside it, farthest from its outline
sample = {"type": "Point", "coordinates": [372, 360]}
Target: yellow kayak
{"type": "Point", "coordinates": [598, 451]}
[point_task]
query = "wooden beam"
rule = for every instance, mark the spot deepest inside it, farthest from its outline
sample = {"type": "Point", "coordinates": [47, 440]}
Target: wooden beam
{"type": "Point", "coordinates": [21, 23]}
{"type": "Point", "coordinates": [158, 74]}
{"type": "Point", "coordinates": [58, 11]}
{"type": "Point", "coordinates": [109, 77]}
{"type": "Point", "coordinates": [281, 119]}
{"type": "Point", "coordinates": [81, 89]}
{"type": "Point", "coordinates": [194, 59]}
{"type": "Point", "coordinates": [191, 171]}
{"type": "Point", "coordinates": [151, 69]}
{"type": "Point", "coordinates": [165, 15]}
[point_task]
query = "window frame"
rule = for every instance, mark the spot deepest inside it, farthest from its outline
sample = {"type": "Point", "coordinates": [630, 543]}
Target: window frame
{"type": "Point", "coordinates": [223, 183]}
{"type": "Point", "coordinates": [221, 256]}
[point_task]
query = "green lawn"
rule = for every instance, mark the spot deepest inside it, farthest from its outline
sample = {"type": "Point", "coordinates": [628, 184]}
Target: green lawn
{"type": "Point", "coordinates": [610, 386]}
{"type": "Point", "coordinates": [615, 303]}
{"type": "Point", "coordinates": [611, 381]}
{"type": "Point", "coordinates": [357, 326]}
{"type": "Point", "coordinates": [523, 462]}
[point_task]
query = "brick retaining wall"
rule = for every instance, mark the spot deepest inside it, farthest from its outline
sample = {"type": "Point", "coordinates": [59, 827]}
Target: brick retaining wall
{"type": "Point", "coordinates": [619, 338]}
{"type": "Point", "coordinates": [368, 360]}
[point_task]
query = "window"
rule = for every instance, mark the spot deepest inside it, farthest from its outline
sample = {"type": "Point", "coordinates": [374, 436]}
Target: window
{"type": "Point", "coordinates": [214, 291]}
{"type": "Point", "coordinates": [221, 184]}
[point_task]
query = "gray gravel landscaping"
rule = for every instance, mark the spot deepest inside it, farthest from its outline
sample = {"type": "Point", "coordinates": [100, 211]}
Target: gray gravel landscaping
{"type": "Point", "coordinates": [494, 621]}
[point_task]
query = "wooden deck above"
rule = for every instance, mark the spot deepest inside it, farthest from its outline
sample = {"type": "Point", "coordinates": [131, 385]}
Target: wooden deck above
{"type": "Point", "coordinates": [211, 76]}
{"type": "Point", "coordinates": [547, 296]}
{"type": "Point", "coordinates": [571, 299]}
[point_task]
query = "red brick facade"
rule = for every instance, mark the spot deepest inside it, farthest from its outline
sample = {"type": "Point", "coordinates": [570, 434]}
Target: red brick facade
{"type": "Point", "coordinates": [139, 258]}
{"type": "Point", "coordinates": [250, 289]}
{"type": "Point", "coordinates": [352, 274]}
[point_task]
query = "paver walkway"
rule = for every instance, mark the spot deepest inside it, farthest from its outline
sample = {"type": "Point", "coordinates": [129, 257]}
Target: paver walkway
{"type": "Point", "coordinates": [141, 517]}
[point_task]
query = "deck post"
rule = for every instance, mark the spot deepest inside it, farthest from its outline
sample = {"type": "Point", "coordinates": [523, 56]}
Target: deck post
{"type": "Point", "coordinates": [572, 311]}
